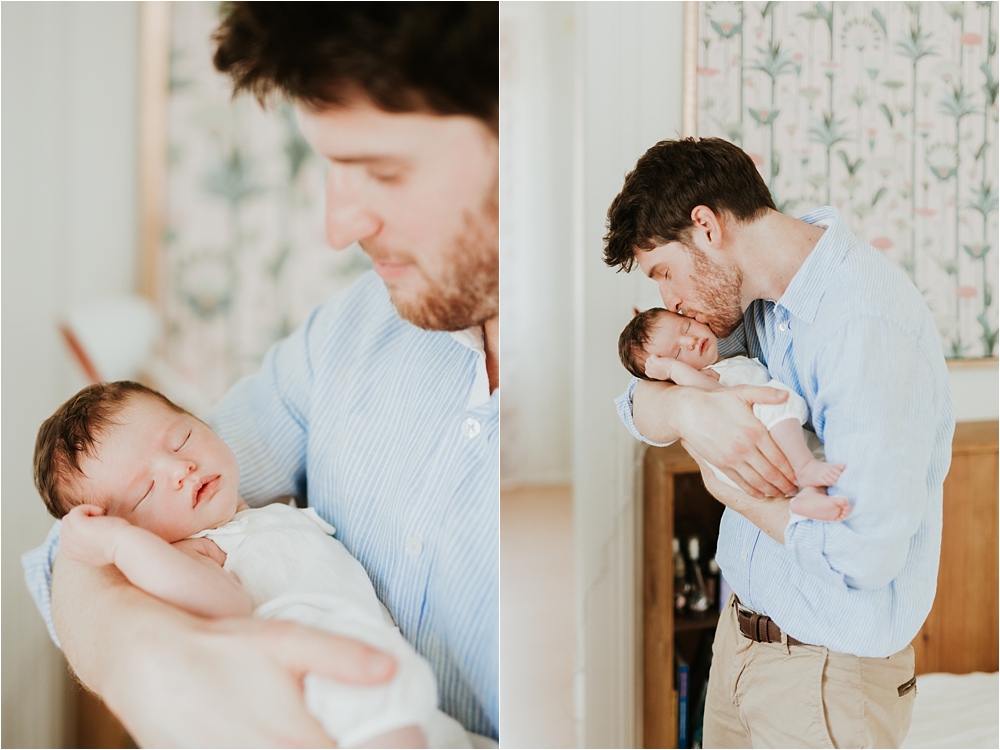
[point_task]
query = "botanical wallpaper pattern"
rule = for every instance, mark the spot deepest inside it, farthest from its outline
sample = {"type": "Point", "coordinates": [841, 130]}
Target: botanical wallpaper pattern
{"type": "Point", "coordinates": [244, 256]}
{"type": "Point", "coordinates": [885, 110]}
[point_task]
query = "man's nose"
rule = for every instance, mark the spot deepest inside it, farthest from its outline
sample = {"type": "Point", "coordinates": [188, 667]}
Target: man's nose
{"type": "Point", "coordinates": [348, 218]}
{"type": "Point", "coordinates": [670, 300]}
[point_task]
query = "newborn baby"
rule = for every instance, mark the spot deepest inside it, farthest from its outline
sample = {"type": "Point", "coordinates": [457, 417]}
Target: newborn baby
{"type": "Point", "coordinates": [661, 345]}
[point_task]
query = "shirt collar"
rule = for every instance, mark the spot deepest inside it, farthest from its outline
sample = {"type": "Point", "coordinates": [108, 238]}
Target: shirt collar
{"type": "Point", "coordinates": [806, 289]}
{"type": "Point", "coordinates": [472, 338]}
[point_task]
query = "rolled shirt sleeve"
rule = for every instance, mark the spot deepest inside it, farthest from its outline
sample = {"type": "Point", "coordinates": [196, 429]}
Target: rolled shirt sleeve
{"type": "Point", "coordinates": [37, 566]}
{"type": "Point", "coordinates": [624, 406]}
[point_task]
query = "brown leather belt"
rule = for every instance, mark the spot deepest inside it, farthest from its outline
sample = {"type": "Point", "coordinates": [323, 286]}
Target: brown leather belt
{"type": "Point", "coordinates": [760, 627]}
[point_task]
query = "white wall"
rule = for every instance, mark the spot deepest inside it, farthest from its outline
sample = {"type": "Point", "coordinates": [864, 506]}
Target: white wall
{"type": "Point", "coordinates": [68, 236]}
{"type": "Point", "coordinates": [975, 390]}
{"type": "Point", "coordinates": [536, 271]}
{"type": "Point", "coordinates": [629, 88]}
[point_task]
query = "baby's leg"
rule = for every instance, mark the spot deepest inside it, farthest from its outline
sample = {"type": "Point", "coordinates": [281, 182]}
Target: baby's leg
{"type": "Point", "coordinates": [809, 470]}
{"type": "Point", "coordinates": [813, 502]}
{"type": "Point", "coordinates": [411, 736]}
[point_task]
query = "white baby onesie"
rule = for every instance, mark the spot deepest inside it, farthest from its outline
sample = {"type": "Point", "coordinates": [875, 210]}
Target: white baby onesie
{"type": "Point", "coordinates": [742, 370]}
{"type": "Point", "coordinates": [294, 570]}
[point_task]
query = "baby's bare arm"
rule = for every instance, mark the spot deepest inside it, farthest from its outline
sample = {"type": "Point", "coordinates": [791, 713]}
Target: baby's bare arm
{"type": "Point", "coordinates": [666, 368]}
{"type": "Point", "coordinates": [188, 574]}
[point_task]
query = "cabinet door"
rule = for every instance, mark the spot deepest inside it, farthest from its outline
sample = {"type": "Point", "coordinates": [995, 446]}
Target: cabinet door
{"type": "Point", "coordinates": [960, 634]}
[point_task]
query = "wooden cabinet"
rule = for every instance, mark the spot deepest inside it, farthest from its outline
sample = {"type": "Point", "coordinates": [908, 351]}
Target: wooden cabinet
{"type": "Point", "coordinates": [960, 634]}
{"type": "Point", "coordinates": [675, 503]}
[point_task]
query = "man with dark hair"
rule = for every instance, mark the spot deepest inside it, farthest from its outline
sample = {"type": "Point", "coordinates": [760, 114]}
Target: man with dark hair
{"type": "Point", "coordinates": [381, 412]}
{"type": "Point", "coordinates": [818, 630]}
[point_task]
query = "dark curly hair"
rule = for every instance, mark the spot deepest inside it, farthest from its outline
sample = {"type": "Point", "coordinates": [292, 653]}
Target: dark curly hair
{"type": "Point", "coordinates": [672, 178]}
{"type": "Point", "coordinates": [633, 339]}
{"type": "Point", "coordinates": [405, 57]}
{"type": "Point", "coordinates": [73, 431]}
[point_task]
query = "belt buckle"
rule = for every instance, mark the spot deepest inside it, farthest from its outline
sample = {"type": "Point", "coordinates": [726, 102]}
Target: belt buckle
{"type": "Point", "coordinates": [754, 620]}
{"type": "Point", "coordinates": [745, 619]}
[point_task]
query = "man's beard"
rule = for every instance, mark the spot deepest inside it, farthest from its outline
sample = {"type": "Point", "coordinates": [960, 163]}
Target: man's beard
{"type": "Point", "coordinates": [719, 286]}
{"type": "Point", "coordinates": [467, 291]}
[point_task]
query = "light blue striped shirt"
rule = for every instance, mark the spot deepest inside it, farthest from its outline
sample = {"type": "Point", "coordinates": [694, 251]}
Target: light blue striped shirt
{"type": "Point", "coordinates": [392, 434]}
{"type": "Point", "coordinates": [855, 339]}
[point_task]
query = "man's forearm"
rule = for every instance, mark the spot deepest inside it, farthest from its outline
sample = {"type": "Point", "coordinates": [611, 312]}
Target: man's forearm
{"type": "Point", "coordinates": [653, 406]}
{"type": "Point", "coordinates": [769, 514]}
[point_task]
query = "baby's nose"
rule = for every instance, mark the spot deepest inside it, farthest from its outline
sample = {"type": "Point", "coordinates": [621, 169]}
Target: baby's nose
{"type": "Point", "coordinates": [182, 470]}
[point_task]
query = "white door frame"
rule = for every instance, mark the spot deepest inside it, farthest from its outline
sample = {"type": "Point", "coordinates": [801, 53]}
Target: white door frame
{"type": "Point", "coordinates": [628, 85]}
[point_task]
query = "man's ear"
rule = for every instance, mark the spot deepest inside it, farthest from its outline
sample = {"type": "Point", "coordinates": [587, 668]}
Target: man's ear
{"type": "Point", "coordinates": [708, 226]}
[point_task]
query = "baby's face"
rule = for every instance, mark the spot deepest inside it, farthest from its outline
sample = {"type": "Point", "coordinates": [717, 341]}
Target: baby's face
{"type": "Point", "coordinates": [162, 470]}
{"type": "Point", "coordinates": [683, 339]}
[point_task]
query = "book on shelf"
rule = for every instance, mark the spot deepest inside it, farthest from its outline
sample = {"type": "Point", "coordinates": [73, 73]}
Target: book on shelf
{"type": "Point", "coordinates": [683, 675]}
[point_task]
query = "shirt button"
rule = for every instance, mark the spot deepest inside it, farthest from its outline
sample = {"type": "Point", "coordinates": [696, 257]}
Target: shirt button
{"type": "Point", "coordinates": [471, 428]}
{"type": "Point", "coordinates": [783, 327]}
{"type": "Point", "coordinates": [743, 554]}
{"type": "Point", "coordinates": [414, 546]}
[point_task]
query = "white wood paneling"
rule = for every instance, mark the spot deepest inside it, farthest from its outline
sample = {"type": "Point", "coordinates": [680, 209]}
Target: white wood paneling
{"type": "Point", "coordinates": [68, 236]}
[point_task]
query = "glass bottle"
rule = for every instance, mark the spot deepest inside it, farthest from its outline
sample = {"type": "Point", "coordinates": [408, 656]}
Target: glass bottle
{"type": "Point", "coordinates": [680, 578]}
{"type": "Point", "coordinates": [698, 600]}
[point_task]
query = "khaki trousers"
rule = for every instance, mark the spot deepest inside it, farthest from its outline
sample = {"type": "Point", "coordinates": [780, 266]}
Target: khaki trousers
{"type": "Point", "coordinates": [772, 695]}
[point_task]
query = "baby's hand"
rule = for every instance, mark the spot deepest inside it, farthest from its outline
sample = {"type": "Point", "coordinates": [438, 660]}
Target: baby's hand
{"type": "Point", "coordinates": [658, 368]}
{"type": "Point", "coordinates": [711, 373]}
{"type": "Point", "coordinates": [88, 536]}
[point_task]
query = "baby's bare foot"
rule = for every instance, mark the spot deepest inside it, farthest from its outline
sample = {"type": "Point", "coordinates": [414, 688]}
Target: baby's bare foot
{"type": "Point", "coordinates": [818, 473]}
{"type": "Point", "coordinates": [816, 504]}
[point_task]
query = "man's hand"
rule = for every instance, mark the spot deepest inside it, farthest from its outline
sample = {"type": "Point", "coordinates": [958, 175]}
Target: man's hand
{"type": "Point", "coordinates": [88, 536]}
{"type": "Point", "coordinates": [721, 427]}
{"type": "Point", "coordinates": [769, 514]}
{"type": "Point", "coordinates": [237, 683]}
{"type": "Point", "coordinates": [178, 680]}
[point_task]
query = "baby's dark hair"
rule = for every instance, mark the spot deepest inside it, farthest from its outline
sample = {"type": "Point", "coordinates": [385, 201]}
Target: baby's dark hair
{"type": "Point", "coordinates": [633, 340]}
{"type": "Point", "coordinates": [73, 431]}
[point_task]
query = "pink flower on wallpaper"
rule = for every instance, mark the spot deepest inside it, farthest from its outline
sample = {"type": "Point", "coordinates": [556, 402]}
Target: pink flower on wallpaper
{"type": "Point", "coordinates": [966, 292]}
{"type": "Point", "coordinates": [708, 71]}
{"type": "Point", "coordinates": [883, 243]}
{"type": "Point", "coordinates": [830, 64]}
{"type": "Point", "coordinates": [970, 39]}
{"type": "Point", "coordinates": [757, 159]}
{"type": "Point", "coordinates": [926, 212]}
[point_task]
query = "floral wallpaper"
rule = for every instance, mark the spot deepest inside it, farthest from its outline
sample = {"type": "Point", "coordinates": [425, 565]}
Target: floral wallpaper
{"type": "Point", "coordinates": [885, 110]}
{"type": "Point", "coordinates": [244, 256]}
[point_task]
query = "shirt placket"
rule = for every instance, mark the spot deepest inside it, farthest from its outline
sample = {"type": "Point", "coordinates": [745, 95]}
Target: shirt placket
{"type": "Point", "coordinates": [779, 360]}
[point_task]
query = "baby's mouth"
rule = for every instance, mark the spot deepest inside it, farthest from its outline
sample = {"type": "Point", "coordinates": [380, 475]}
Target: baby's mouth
{"type": "Point", "coordinates": [205, 490]}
